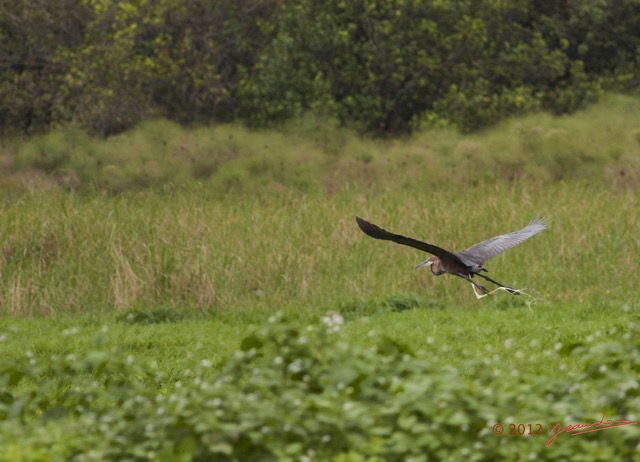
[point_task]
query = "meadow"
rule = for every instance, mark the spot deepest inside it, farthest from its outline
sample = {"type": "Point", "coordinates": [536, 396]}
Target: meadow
{"type": "Point", "coordinates": [205, 293]}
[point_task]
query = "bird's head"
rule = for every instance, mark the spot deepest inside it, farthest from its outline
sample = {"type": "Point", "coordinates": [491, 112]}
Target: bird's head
{"type": "Point", "coordinates": [434, 263]}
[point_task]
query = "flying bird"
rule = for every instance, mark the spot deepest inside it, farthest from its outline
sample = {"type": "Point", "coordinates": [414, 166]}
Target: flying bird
{"type": "Point", "coordinates": [467, 263]}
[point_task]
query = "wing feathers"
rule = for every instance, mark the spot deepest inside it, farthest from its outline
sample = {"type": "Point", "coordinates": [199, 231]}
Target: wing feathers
{"type": "Point", "coordinates": [483, 251]}
{"type": "Point", "coordinates": [376, 232]}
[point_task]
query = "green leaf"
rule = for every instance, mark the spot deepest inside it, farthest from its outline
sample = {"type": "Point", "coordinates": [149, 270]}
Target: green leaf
{"type": "Point", "coordinates": [250, 342]}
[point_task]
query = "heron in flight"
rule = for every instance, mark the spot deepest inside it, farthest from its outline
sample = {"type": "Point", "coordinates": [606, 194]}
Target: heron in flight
{"type": "Point", "coordinates": [467, 263]}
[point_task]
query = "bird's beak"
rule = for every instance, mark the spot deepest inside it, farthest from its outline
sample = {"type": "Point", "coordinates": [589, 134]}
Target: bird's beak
{"type": "Point", "coordinates": [425, 263]}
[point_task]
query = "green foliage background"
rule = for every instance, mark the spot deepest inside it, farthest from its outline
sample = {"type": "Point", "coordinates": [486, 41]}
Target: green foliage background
{"type": "Point", "coordinates": [379, 66]}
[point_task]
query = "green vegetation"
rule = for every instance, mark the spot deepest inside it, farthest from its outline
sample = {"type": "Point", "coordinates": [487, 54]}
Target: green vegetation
{"type": "Point", "coordinates": [378, 66]}
{"type": "Point", "coordinates": [600, 145]}
{"type": "Point", "coordinates": [312, 392]}
{"type": "Point", "coordinates": [205, 294]}
{"type": "Point", "coordinates": [64, 253]}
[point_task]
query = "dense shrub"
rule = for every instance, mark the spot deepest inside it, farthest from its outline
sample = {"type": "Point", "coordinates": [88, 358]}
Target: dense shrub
{"type": "Point", "coordinates": [106, 65]}
{"type": "Point", "coordinates": [295, 393]}
{"type": "Point", "coordinates": [381, 66]}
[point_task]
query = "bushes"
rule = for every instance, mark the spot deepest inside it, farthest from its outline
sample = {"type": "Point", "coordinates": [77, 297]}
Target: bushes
{"type": "Point", "coordinates": [294, 393]}
{"type": "Point", "coordinates": [113, 64]}
{"type": "Point", "coordinates": [378, 66]}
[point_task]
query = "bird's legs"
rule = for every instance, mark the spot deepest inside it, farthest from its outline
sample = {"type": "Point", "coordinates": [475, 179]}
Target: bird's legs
{"type": "Point", "coordinates": [482, 288]}
{"type": "Point", "coordinates": [507, 288]}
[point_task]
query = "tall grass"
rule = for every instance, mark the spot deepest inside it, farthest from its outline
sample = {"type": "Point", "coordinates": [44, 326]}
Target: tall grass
{"type": "Point", "coordinates": [225, 218]}
{"type": "Point", "coordinates": [62, 252]}
{"type": "Point", "coordinates": [601, 144]}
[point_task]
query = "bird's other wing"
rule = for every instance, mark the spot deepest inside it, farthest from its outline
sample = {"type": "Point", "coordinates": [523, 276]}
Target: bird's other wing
{"type": "Point", "coordinates": [378, 233]}
{"type": "Point", "coordinates": [479, 253]}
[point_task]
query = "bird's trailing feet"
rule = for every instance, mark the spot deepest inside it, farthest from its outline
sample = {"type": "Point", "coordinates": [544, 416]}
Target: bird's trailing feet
{"type": "Point", "coordinates": [506, 289]}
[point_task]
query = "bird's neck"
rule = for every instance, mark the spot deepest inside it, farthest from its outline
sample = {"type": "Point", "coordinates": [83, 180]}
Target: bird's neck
{"type": "Point", "coordinates": [436, 268]}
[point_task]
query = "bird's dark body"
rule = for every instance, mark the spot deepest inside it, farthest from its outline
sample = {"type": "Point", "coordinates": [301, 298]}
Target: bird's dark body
{"type": "Point", "coordinates": [466, 263]}
{"type": "Point", "coordinates": [451, 267]}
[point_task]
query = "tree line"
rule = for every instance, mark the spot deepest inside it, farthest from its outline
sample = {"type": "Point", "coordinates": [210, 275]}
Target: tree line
{"type": "Point", "coordinates": [382, 66]}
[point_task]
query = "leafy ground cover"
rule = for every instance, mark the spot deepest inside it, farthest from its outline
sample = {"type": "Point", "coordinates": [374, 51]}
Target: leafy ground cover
{"type": "Point", "coordinates": [418, 384]}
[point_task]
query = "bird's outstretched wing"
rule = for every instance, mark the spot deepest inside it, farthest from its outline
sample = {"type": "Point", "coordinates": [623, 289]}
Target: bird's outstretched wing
{"type": "Point", "coordinates": [378, 233]}
{"type": "Point", "coordinates": [479, 253]}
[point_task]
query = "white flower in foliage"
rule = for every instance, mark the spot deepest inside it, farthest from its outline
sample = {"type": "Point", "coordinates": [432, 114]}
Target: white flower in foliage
{"type": "Point", "coordinates": [333, 320]}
